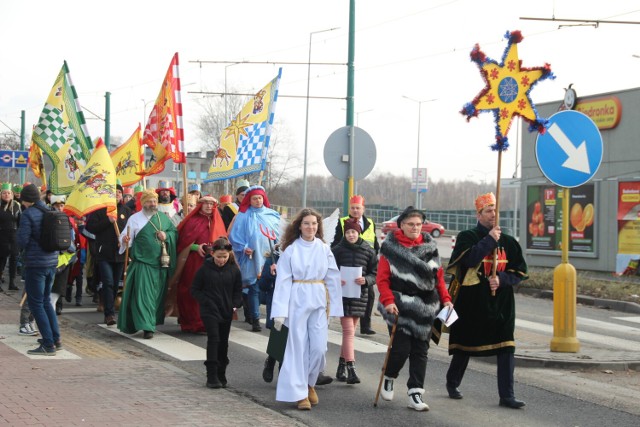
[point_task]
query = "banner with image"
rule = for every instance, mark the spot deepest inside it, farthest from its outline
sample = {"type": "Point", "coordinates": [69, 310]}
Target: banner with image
{"type": "Point", "coordinates": [628, 256]}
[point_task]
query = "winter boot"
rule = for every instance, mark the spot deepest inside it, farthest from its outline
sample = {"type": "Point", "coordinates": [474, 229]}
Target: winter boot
{"type": "Point", "coordinates": [212, 375]}
{"type": "Point", "coordinates": [352, 376]}
{"type": "Point", "coordinates": [222, 375]}
{"type": "Point", "coordinates": [340, 375]}
{"type": "Point", "coordinates": [415, 399]}
{"type": "Point", "coordinates": [255, 325]}
{"type": "Point", "coordinates": [12, 284]}
{"type": "Point", "coordinates": [267, 372]}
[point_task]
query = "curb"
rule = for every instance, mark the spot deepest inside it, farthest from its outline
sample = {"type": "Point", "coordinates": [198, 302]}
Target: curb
{"type": "Point", "coordinates": [534, 362]}
{"type": "Point", "coordinates": [623, 306]}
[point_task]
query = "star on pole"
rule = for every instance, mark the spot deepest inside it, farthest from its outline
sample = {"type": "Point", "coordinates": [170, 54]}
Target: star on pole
{"type": "Point", "coordinates": [507, 90]}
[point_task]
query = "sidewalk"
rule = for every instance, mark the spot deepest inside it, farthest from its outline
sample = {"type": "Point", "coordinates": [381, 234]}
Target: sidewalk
{"type": "Point", "coordinates": [110, 386]}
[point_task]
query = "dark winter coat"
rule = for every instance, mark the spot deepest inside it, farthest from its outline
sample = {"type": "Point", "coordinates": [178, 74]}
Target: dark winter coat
{"type": "Point", "coordinates": [358, 254]}
{"type": "Point", "coordinates": [218, 290]}
{"type": "Point", "coordinates": [9, 219]}
{"type": "Point", "coordinates": [106, 241]}
{"type": "Point", "coordinates": [28, 237]}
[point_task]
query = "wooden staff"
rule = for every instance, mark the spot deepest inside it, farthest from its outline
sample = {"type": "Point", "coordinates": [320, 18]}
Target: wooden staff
{"type": "Point", "coordinates": [494, 268]}
{"type": "Point", "coordinates": [386, 359]}
{"type": "Point", "coordinates": [126, 262]}
{"type": "Point", "coordinates": [24, 298]}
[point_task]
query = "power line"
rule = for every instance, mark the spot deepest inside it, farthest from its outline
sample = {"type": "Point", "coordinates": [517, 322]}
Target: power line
{"type": "Point", "coordinates": [7, 126]}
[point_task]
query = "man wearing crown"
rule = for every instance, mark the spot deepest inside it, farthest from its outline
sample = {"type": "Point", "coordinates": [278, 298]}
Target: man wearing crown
{"type": "Point", "coordinates": [485, 304]}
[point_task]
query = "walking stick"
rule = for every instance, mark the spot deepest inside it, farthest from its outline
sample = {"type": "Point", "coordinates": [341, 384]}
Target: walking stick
{"type": "Point", "coordinates": [386, 359]}
{"type": "Point", "coordinates": [118, 300]}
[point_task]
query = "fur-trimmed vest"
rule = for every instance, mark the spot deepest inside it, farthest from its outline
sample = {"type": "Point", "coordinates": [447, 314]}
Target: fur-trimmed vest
{"type": "Point", "coordinates": [413, 277]}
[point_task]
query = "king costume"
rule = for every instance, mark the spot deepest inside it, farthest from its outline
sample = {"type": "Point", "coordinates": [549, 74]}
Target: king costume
{"type": "Point", "coordinates": [195, 230]}
{"type": "Point", "coordinates": [142, 306]}
{"type": "Point", "coordinates": [307, 292]}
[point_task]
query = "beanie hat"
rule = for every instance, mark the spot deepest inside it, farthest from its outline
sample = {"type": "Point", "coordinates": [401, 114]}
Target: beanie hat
{"type": "Point", "coordinates": [352, 224]}
{"type": "Point", "coordinates": [30, 193]}
{"type": "Point", "coordinates": [241, 190]}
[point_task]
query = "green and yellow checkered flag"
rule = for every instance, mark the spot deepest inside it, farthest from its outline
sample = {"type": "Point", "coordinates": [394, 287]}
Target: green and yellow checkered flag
{"type": "Point", "coordinates": [61, 133]}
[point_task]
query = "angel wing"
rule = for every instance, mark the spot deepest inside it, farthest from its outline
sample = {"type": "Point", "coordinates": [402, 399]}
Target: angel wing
{"type": "Point", "coordinates": [282, 227]}
{"type": "Point", "coordinates": [329, 224]}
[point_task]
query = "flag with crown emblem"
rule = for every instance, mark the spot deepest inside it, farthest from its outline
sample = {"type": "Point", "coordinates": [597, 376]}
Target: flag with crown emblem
{"type": "Point", "coordinates": [164, 133]}
{"type": "Point", "coordinates": [244, 144]}
{"type": "Point", "coordinates": [61, 133]}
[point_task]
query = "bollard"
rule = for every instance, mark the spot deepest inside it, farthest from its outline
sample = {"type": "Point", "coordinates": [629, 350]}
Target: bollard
{"type": "Point", "coordinates": [453, 242]}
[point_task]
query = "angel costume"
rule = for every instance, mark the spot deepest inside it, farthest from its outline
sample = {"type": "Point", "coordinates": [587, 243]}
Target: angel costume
{"type": "Point", "coordinates": [307, 291]}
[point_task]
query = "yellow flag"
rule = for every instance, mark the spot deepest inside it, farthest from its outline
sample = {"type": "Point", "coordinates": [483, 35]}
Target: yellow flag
{"type": "Point", "coordinates": [128, 161]}
{"type": "Point", "coordinates": [96, 187]}
{"type": "Point", "coordinates": [36, 163]}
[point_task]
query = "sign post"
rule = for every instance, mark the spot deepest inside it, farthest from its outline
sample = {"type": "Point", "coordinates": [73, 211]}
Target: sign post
{"type": "Point", "coordinates": [568, 154]}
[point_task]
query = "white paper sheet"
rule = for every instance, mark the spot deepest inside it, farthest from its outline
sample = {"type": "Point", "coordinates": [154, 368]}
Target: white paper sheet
{"type": "Point", "coordinates": [349, 274]}
{"type": "Point", "coordinates": [448, 315]}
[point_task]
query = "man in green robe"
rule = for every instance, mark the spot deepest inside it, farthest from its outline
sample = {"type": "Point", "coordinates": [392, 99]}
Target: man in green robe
{"type": "Point", "coordinates": [149, 234]}
{"type": "Point", "coordinates": [485, 302]}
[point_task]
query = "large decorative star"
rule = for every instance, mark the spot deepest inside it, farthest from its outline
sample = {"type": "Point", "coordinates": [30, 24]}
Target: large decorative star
{"type": "Point", "coordinates": [507, 89]}
{"type": "Point", "coordinates": [237, 127]}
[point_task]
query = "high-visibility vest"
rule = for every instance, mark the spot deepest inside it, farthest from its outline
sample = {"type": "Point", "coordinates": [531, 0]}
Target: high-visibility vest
{"type": "Point", "coordinates": [368, 235]}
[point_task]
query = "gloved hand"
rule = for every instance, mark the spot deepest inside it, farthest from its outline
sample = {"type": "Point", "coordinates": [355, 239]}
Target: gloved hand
{"type": "Point", "coordinates": [278, 322]}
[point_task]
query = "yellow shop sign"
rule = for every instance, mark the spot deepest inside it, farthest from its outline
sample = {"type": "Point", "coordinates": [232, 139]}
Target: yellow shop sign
{"type": "Point", "coordinates": [605, 112]}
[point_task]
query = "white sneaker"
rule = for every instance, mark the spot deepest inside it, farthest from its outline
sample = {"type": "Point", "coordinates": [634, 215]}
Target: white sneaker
{"type": "Point", "coordinates": [25, 330]}
{"type": "Point", "coordinates": [31, 327]}
{"type": "Point", "coordinates": [386, 392]}
{"type": "Point", "coordinates": [415, 399]}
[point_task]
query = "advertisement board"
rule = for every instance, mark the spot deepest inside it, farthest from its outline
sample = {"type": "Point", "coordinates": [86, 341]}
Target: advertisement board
{"type": "Point", "coordinates": [545, 213]}
{"type": "Point", "coordinates": [628, 255]}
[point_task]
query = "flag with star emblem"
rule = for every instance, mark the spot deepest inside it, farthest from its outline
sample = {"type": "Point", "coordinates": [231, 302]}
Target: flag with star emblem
{"type": "Point", "coordinates": [61, 133]}
{"type": "Point", "coordinates": [243, 146]}
{"type": "Point", "coordinates": [164, 133]}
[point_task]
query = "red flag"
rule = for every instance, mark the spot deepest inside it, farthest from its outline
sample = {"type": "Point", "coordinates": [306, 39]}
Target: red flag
{"type": "Point", "coordinates": [164, 132]}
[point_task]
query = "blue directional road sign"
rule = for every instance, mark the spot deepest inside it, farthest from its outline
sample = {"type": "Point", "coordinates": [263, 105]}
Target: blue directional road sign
{"type": "Point", "coordinates": [569, 153]}
{"type": "Point", "coordinates": [13, 159]}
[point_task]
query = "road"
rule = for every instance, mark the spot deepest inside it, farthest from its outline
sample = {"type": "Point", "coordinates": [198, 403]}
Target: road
{"type": "Point", "coordinates": [554, 397]}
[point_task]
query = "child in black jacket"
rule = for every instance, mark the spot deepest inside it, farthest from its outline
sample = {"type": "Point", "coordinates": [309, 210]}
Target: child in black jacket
{"type": "Point", "coordinates": [217, 286]}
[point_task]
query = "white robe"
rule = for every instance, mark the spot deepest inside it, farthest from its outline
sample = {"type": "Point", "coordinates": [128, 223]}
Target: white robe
{"type": "Point", "coordinates": [301, 298]}
{"type": "Point", "coordinates": [136, 222]}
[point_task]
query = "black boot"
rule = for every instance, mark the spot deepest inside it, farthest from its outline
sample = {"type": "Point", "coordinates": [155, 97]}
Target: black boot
{"type": "Point", "coordinates": [267, 372]}
{"type": "Point", "coordinates": [352, 377]}
{"type": "Point", "coordinates": [59, 306]}
{"type": "Point", "coordinates": [340, 373]}
{"type": "Point", "coordinates": [222, 375]}
{"type": "Point", "coordinates": [12, 284]}
{"type": "Point", "coordinates": [212, 375]}
{"type": "Point", "coordinates": [255, 325]}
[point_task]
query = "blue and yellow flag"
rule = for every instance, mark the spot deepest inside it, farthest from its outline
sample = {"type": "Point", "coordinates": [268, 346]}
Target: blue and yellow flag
{"type": "Point", "coordinates": [61, 133]}
{"type": "Point", "coordinates": [244, 144]}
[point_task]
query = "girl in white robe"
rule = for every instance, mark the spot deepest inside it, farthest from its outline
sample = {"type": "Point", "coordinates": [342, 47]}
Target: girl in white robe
{"type": "Point", "coordinates": [307, 281]}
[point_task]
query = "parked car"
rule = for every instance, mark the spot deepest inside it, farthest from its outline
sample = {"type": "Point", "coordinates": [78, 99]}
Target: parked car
{"type": "Point", "coordinates": [433, 228]}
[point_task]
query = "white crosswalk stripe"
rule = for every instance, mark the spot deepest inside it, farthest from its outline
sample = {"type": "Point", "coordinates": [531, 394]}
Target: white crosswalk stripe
{"type": "Point", "coordinates": [21, 344]}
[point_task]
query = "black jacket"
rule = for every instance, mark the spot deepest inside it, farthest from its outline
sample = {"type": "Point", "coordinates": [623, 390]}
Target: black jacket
{"type": "Point", "coordinates": [217, 289]}
{"type": "Point", "coordinates": [106, 242]}
{"type": "Point", "coordinates": [358, 254]}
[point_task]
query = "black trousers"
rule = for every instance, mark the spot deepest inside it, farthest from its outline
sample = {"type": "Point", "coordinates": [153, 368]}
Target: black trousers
{"type": "Point", "coordinates": [217, 343]}
{"type": "Point", "coordinates": [407, 347]}
{"type": "Point", "coordinates": [506, 365]}
{"type": "Point", "coordinates": [365, 321]}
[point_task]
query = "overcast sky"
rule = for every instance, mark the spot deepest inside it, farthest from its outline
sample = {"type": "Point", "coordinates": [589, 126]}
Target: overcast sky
{"type": "Point", "coordinates": [414, 48]}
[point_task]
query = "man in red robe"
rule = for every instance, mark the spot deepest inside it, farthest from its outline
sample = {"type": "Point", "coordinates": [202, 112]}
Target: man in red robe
{"type": "Point", "coordinates": [202, 226]}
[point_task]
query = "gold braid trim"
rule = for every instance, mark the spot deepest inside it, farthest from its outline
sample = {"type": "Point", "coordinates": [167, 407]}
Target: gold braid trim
{"type": "Point", "coordinates": [482, 347]}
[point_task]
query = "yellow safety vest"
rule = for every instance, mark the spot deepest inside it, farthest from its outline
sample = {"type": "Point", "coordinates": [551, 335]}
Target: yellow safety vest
{"type": "Point", "coordinates": [368, 235]}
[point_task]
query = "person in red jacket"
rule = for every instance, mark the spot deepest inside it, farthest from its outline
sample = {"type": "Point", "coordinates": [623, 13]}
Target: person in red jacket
{"type": "Point", "coordinates": [411, 284]}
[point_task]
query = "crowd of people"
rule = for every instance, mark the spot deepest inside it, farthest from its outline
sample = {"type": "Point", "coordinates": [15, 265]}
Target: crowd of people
{"type": "Point", "coordinates": [201, 263]}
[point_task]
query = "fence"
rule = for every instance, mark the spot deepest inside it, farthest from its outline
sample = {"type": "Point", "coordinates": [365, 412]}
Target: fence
{"type": "Point", "coordinates": [453, 221]}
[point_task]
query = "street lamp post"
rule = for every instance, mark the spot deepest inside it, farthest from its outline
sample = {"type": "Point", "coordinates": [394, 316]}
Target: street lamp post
{"type": "Point", "coordinates": [306, 125]}
{"type": "Point", "coordinates": [418, 150]}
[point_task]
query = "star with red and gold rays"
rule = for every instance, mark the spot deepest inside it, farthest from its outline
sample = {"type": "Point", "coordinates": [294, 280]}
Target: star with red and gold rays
{"type": "Point", "coordinates": [237, 127]}
{"type": "Point", "coordinates": [506, 93]}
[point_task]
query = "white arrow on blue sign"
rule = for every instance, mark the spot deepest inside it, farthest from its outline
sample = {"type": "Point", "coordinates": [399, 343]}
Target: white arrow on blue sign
{"type": "Point", "coordinates": [570, 152]}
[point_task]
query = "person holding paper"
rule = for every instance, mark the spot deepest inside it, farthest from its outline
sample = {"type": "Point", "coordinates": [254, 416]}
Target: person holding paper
{"type": "Point", "coordinates": [353, 253]}
{"type": "Point", "coordinates": [307, 292]}
{"type": "Point", "coordinates": [486, 322]}
{"type": "Point", "coordinates": [411, 284]}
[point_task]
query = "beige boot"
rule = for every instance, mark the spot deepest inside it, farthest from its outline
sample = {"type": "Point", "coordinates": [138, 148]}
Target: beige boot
{"type": "Point", "coordinates": [304, 404]}
{"type": "Point", "coordinates": [313, 396]}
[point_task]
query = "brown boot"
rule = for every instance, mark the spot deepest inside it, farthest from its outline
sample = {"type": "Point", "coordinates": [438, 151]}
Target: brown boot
{"type": "Point", "coordinates": [313, 396]}
{"type": "Point", "coordinates": [304, 404]}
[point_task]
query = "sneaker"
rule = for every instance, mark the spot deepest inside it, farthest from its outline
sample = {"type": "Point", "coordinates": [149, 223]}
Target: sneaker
{"type": "Point", "coordinates": [387, 388]}
{"type": "Point", "coordinates": [58, 344]}
{"type": "Point", "coordinates": [31, 327]}
{"type": "Point", "coordinates": [26, 330]}
{"type": "Point", "coordinates": [43, 351]}
{"type": "Point", "coordinates": [415, 400]}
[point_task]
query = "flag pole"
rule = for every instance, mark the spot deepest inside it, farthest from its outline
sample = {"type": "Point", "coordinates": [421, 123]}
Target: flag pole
{"type": "Point", "coordinates": [495, 251]}
{"type": "Point", "coordinates": [184, 186]}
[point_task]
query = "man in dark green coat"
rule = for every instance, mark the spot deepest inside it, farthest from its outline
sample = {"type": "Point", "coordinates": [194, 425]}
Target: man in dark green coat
{"type": "Point", "coordinates": [484, 301]}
